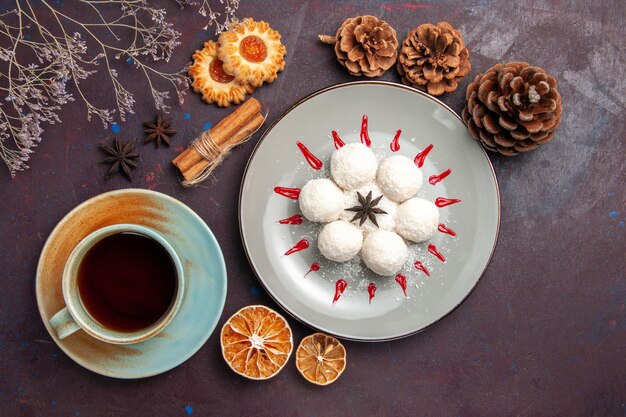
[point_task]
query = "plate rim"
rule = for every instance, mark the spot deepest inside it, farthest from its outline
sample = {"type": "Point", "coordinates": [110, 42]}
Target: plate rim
{"type": "Point", "coordinates": [263, 137]}
{"type": "Point", "coordinates": [61, 223]}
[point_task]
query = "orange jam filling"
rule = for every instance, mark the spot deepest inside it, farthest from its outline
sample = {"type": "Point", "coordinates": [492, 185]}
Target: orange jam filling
{"type": "Point", "coordinates": [217, 72]}
{"type": "Point", "coordinates": [253, 49]}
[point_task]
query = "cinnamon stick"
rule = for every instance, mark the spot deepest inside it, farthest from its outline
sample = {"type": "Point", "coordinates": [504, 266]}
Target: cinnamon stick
{"type": "Point", "coordinates": [201, 165]}
{"type": "Point", "coordinates": [231, 130]}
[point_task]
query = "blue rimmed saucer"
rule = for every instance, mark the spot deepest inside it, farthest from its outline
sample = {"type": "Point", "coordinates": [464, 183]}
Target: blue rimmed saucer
{"type": "Point", "coordinates": [203, 264]}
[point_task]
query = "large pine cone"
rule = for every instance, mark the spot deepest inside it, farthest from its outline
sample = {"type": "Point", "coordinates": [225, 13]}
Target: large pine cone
{"type": "Point", "coordinates": [366, 45]}
{"type": "Point", "coordinates": [433, 58]}
{"type": "Point", "coordinates": [512, 108]}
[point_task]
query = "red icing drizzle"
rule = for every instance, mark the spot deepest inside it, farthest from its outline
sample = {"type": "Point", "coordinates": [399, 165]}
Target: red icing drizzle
{"type": "Point", "coordinates": [340, 287]}
{"type": "Point", "coordinates": [337, 140]}
{"type": "Point", "coordinates": [420, 157]}
{"type": "Point", "coordinates": [365, 136]}
{"type": "Point", "coordinates": [297, 219]}
{"type": "Point", "coordinates": [443, 229]}
{"type": "Point", "coordinates": [315, 163]}
{"type": "Point", "coordinates": [314, 267]}
{"type": "Point", "coordinates": [421, 267]}
{"type": "Point", "coordinates": [433, 249]}
{"type": "Point", "coordinates": [303, 244]}
{"type": "Point", "coordinates": [401, 280]}
{"type": "Point", "coordinates": [395, 143]}
{"type": "Point", "coordinates": [434, 179]}
{"type": "Point", "coordinates": [292, 193]}
{"type": "Point", "coordinates": [371, 290]}
{"type": "Point", "coordinates": [442, 202]}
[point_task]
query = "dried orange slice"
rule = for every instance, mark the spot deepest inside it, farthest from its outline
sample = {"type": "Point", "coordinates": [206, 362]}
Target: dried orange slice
{"type": "Point", "coordinates": [321, 359]}
{"type": "Point", "coordinates": [256, 342]}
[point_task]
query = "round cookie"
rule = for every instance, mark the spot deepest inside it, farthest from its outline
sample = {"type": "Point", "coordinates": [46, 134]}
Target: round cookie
{"type": "Point", "coordinates": [210, 80]}
{"type": "Point", "coordinates": [252, 52]}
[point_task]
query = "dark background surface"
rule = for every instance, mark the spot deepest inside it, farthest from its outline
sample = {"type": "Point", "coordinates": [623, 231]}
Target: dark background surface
{"type": "Point", "coordinates": [544, 332]}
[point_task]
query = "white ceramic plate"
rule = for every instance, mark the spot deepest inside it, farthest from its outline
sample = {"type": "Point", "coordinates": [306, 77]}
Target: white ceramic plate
{"type": "Point", "coordinates": [278, 162]}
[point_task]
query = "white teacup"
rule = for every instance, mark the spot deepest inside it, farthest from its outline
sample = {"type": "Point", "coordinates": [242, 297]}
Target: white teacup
{"type": "Point", "coordinates": [75, 316]}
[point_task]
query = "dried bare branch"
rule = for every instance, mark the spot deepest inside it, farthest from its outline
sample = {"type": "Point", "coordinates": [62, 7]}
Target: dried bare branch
{"type": "Point", "coordinates": [221, 21]}
{"type": "Point", "coordinates": [41, 61]}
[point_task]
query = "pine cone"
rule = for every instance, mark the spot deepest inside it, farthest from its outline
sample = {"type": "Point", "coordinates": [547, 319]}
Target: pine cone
{"type": "Point", "coordinates": [512, 108]}
{"type": "Point", "coordinates": [366, 45]}
{"type": "Point", "coordinates": [433, 58]}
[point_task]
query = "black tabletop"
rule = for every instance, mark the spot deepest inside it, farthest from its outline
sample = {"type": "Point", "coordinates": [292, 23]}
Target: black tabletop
{"type": "Point", "coordinates": [543, 333]}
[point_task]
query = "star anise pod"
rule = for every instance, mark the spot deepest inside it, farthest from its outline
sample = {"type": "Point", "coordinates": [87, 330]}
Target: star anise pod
{"type": "Point", "coordinates": [120, 156]}
{"type": "Point", "coordinates": [159, 130]}
{"type": "Point", "coordinates": [367, 209]}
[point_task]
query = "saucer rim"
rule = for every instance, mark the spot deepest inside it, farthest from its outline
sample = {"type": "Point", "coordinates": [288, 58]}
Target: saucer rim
{"type": "Point", "coordinates": [94, 367]}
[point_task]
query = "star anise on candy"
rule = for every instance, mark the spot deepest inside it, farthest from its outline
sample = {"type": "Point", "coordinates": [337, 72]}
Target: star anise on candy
{"type": "Point", "coordinates": [159, 131]}
{"type": "Point", "coordinates": [121, 157]}
{"type": "Point", "coordinates": [366, 209]}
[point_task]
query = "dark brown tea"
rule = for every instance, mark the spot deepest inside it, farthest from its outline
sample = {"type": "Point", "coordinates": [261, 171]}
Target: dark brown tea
{"type": "Point", "coordinates": [127, 281]}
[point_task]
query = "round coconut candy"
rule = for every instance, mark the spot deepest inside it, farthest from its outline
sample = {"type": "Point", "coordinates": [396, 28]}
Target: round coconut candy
{"type": "Point", "coordinates": [384, 252]}
{"type": "Point", "coordinates": [399, 178]}
{"type": "Point", "coordinates": [353, 165]}
{"type": "Point", "coordinates": [321, 200]}
{"type": "Point", "coordinates": [417, 219]}
{"type": "Point", "coordinates": [340, 241]}
{"type": "Point", "coordinates": [386, 221]}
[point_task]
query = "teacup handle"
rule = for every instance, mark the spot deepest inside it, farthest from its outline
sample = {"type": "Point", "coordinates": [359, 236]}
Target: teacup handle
{"type": "Point", "coordinates": [63, 323]}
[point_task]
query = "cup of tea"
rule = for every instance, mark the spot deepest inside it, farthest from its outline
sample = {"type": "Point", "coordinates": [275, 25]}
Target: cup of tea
{"type": "Point", "coordinates": [121, 284]}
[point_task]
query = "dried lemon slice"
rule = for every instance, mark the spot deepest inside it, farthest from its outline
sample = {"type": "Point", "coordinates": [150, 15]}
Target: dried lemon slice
{"type": "Point", "coordinates": [252, 52]}
{"type": "Point", "coordinates": [256, 342]}
{"type": "Point", "coordinates": [209, 78]}
{"type": "Point", "coordinates": [321, 359]}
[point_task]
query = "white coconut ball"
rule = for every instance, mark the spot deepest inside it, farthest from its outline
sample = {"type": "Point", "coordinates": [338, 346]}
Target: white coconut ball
{"type": "Point", "coordinates": [340, 241]}
{"type": "Point", "coordinates": [384, 252]}
{"type": "Point", "coordinates": [353, 165]}
{"type": "Point", "coordinates": [321, 200]}
{"type": "Point", "coordinates": [417, 219]}
{"type": "Point", "coordinates": [385, 221]}
{"type": "Point", "coordinates": [399, 178]}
